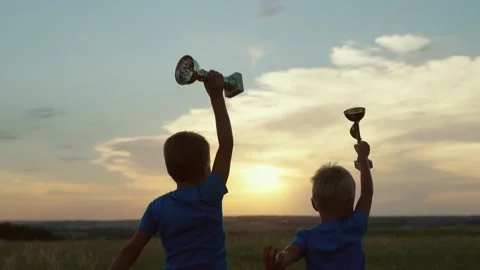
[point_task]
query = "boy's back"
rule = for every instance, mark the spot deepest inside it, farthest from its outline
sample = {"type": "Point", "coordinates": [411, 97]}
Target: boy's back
{"type": "Point", "coordinates": [336, 244]}
{"type": "Point", "coordinates": [190, 223]}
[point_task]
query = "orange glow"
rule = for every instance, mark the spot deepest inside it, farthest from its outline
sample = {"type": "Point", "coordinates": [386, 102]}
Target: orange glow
{"type": "Point", "coordinates": [262, 178]}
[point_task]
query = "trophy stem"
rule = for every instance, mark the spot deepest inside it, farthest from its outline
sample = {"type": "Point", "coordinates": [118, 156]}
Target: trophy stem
{"type": "Point", "coordinates": [357, 129]}
{"type": "Point", "coordinates": [202, 75]}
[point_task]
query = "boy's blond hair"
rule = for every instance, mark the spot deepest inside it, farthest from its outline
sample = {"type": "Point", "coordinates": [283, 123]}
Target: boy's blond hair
{"type": "Point", "coordinates": [332, 184]}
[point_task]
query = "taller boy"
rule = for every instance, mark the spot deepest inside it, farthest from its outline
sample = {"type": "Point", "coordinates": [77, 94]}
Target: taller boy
{"type": "Point", "coordinates": [189, 220]}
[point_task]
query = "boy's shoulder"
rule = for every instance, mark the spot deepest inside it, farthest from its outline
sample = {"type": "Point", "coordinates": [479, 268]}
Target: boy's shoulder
{"type": "Point", "coordinates": [212, 190]}
{"type": "Point", "coordinates": [355, 223]}
{"type": "Point", "coordinates": [156, 203]}
{"type": "Point", "coordinates": [332, 234]}
{"type": "Point", "coordinates": [161, 197]}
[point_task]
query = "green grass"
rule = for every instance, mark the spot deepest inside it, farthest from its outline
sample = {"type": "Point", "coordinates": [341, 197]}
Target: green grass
{"type": "Point", "coordinates": [385, 250]}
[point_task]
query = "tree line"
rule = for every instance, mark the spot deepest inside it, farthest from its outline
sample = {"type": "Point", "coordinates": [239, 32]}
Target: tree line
{"type": "Point", "coordinates": [19, 232]}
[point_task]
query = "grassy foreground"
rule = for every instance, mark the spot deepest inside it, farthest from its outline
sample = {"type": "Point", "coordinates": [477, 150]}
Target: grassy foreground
{"type": "Point", "coordinates": [431, 249]}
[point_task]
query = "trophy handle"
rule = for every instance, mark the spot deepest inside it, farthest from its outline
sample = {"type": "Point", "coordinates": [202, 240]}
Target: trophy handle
{"type": "Point", "coordinates": [201, 75]}
{"type": "Point", "coordinates": [233, 85]}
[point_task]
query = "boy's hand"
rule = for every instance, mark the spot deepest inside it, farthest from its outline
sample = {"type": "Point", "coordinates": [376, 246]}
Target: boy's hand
{"type": "Point", "coordinates": [363, 150]}
{"type": "Point", "coordinates": [270, 259]}
{"type": "Point", "coordinates": [214, 84]}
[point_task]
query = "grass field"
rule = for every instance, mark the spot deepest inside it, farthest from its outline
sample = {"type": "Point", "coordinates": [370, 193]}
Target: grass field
{"type": "Point", "coordinates": [401, 249]}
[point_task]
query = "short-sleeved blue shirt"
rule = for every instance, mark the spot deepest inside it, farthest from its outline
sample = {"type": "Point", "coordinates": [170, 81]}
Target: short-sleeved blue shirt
{"type": "Point", "coordinates": [334, 245]}
{"type": "Point", "coordinates": [189, 221]}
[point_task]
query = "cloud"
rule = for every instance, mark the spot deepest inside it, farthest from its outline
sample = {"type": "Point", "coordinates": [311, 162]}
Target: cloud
{"type": "Point", "coordinates": [72, 159]}
{"type": "Point", "coordinates": [271, 8]}
{"type": "Point", "coordinates": [63, 146]}
{"type": "Point", "coordinates": [45, 112]}
{"type": "Point", "coordinates": [28, 197]}
{"type": "Point", "coordinates": [139, 158]}
{"type": "Point", "coordinates": [351, 54]}
{"type": "Point", "coordinates": [256, 53]}
{"type": "Point", "coordinates": [28, 170]}
{"type": "Point", "coordinates": [403, 44]}
{"type": "Point", "coordinates": [421, 120]}
{"type": "Point", "coordinates": [8, 135]}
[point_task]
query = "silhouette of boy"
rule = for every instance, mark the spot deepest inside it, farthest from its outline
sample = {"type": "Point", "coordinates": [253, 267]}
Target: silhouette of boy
{"type": "Point", "coordinates": [335, 243]}
{"type": "Point", "coordinates": [189, 220]}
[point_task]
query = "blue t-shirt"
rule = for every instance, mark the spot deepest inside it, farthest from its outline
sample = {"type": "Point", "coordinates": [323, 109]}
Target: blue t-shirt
{"type": "Point", "coordinates": [189, 221]}
{"type": "Point", "coordinates": [335, 245]}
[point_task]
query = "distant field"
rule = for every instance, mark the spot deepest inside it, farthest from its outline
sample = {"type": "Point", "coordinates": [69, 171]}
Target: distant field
{"type": "Point", "coordinates": [122, 228]}
{"type": "Point", "coordinates": [437, 249]}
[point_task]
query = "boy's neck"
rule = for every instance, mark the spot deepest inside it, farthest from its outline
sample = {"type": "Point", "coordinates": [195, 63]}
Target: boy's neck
{"type": "Point", "coordinates": [191, 183]}
{"type": "Point", "coordinates": [182, 185]}
{"type": "Point", "coordinates": [325, 217]}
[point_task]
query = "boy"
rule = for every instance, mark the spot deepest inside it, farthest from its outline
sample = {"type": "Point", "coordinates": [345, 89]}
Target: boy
{"type": "Point", "coordinates": [335, 243]}
{"type": "Point", "coordinates": [189, 219]}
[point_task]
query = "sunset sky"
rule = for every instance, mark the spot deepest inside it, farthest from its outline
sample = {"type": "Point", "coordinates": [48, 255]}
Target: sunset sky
{"type": "Point", "coordinates": [88, 95]}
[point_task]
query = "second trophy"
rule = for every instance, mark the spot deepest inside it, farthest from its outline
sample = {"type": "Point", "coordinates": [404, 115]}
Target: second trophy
{"type": "Point", "coordinates": [355, 115]}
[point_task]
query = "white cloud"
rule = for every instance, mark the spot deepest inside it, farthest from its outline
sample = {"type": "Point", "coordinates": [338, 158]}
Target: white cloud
{"type": "Point", "coordinates": [403, 44]}
{"type": "Point", "coordinates": [256, 53]}
{"type": "Point", "coordinates": [293, 119]}
{"type": "Point", "coordinates": [351, 55]}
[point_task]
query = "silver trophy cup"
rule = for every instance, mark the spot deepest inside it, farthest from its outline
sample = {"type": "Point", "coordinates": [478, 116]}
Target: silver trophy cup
{"type": "Point", "coordinates": [188, 71]}
{"type": "Point", "coordinates": [355, 115]}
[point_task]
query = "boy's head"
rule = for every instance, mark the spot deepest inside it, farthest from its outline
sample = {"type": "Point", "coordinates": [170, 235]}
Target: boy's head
{"type": "Point", "coordinates": [333, 191]}
{"type": "Point", "coordinates": [187, 157]}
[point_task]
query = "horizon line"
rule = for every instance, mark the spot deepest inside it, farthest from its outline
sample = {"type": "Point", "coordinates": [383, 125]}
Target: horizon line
{"type": "Point", "coordinates": [240, 216]}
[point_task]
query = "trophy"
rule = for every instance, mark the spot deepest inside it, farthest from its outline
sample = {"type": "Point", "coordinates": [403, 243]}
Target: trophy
{"type": "Point", "coordinates": [355, 115]}
{"type": "Point", "coordinates": [188, 71]}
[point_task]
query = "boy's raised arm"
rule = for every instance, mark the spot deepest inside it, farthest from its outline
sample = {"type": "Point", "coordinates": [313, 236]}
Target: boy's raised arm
{"type": "Point", "coordinates": [366, 182]}
{"type": "Point", "coordinates": [223, 158]}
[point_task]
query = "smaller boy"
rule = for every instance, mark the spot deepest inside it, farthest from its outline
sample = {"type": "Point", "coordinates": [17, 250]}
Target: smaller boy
{"type": "Point", "coordinates": [189, 220]}
{"type": "Point", "coordinates": [335, 243]}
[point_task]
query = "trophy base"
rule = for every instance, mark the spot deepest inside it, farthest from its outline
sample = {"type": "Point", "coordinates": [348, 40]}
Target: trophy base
{"type": "Point", "coordinates": [358, 167]}
{"type": "Point", "coordinates": [236, 87]}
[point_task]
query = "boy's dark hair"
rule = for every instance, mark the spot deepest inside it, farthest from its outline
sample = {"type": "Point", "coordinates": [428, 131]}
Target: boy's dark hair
{"type": "Point", "coordinates": [186, 154]}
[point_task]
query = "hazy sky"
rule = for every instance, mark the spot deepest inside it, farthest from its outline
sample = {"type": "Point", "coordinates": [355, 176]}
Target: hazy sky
{"type": "Point", "coordinates": [87, 96]}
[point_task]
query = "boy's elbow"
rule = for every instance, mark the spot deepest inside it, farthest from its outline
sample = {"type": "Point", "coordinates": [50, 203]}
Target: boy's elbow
{"type": "Point", "coordinates": [226, 144]}
{"type": "Point", "coordinates": [366, 190]}
{"type": "Point", "coordinates": [367, 193]}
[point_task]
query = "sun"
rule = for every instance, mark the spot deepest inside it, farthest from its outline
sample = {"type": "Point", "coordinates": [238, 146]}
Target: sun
{"type": "Point", "coordinates": [262, 178]}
